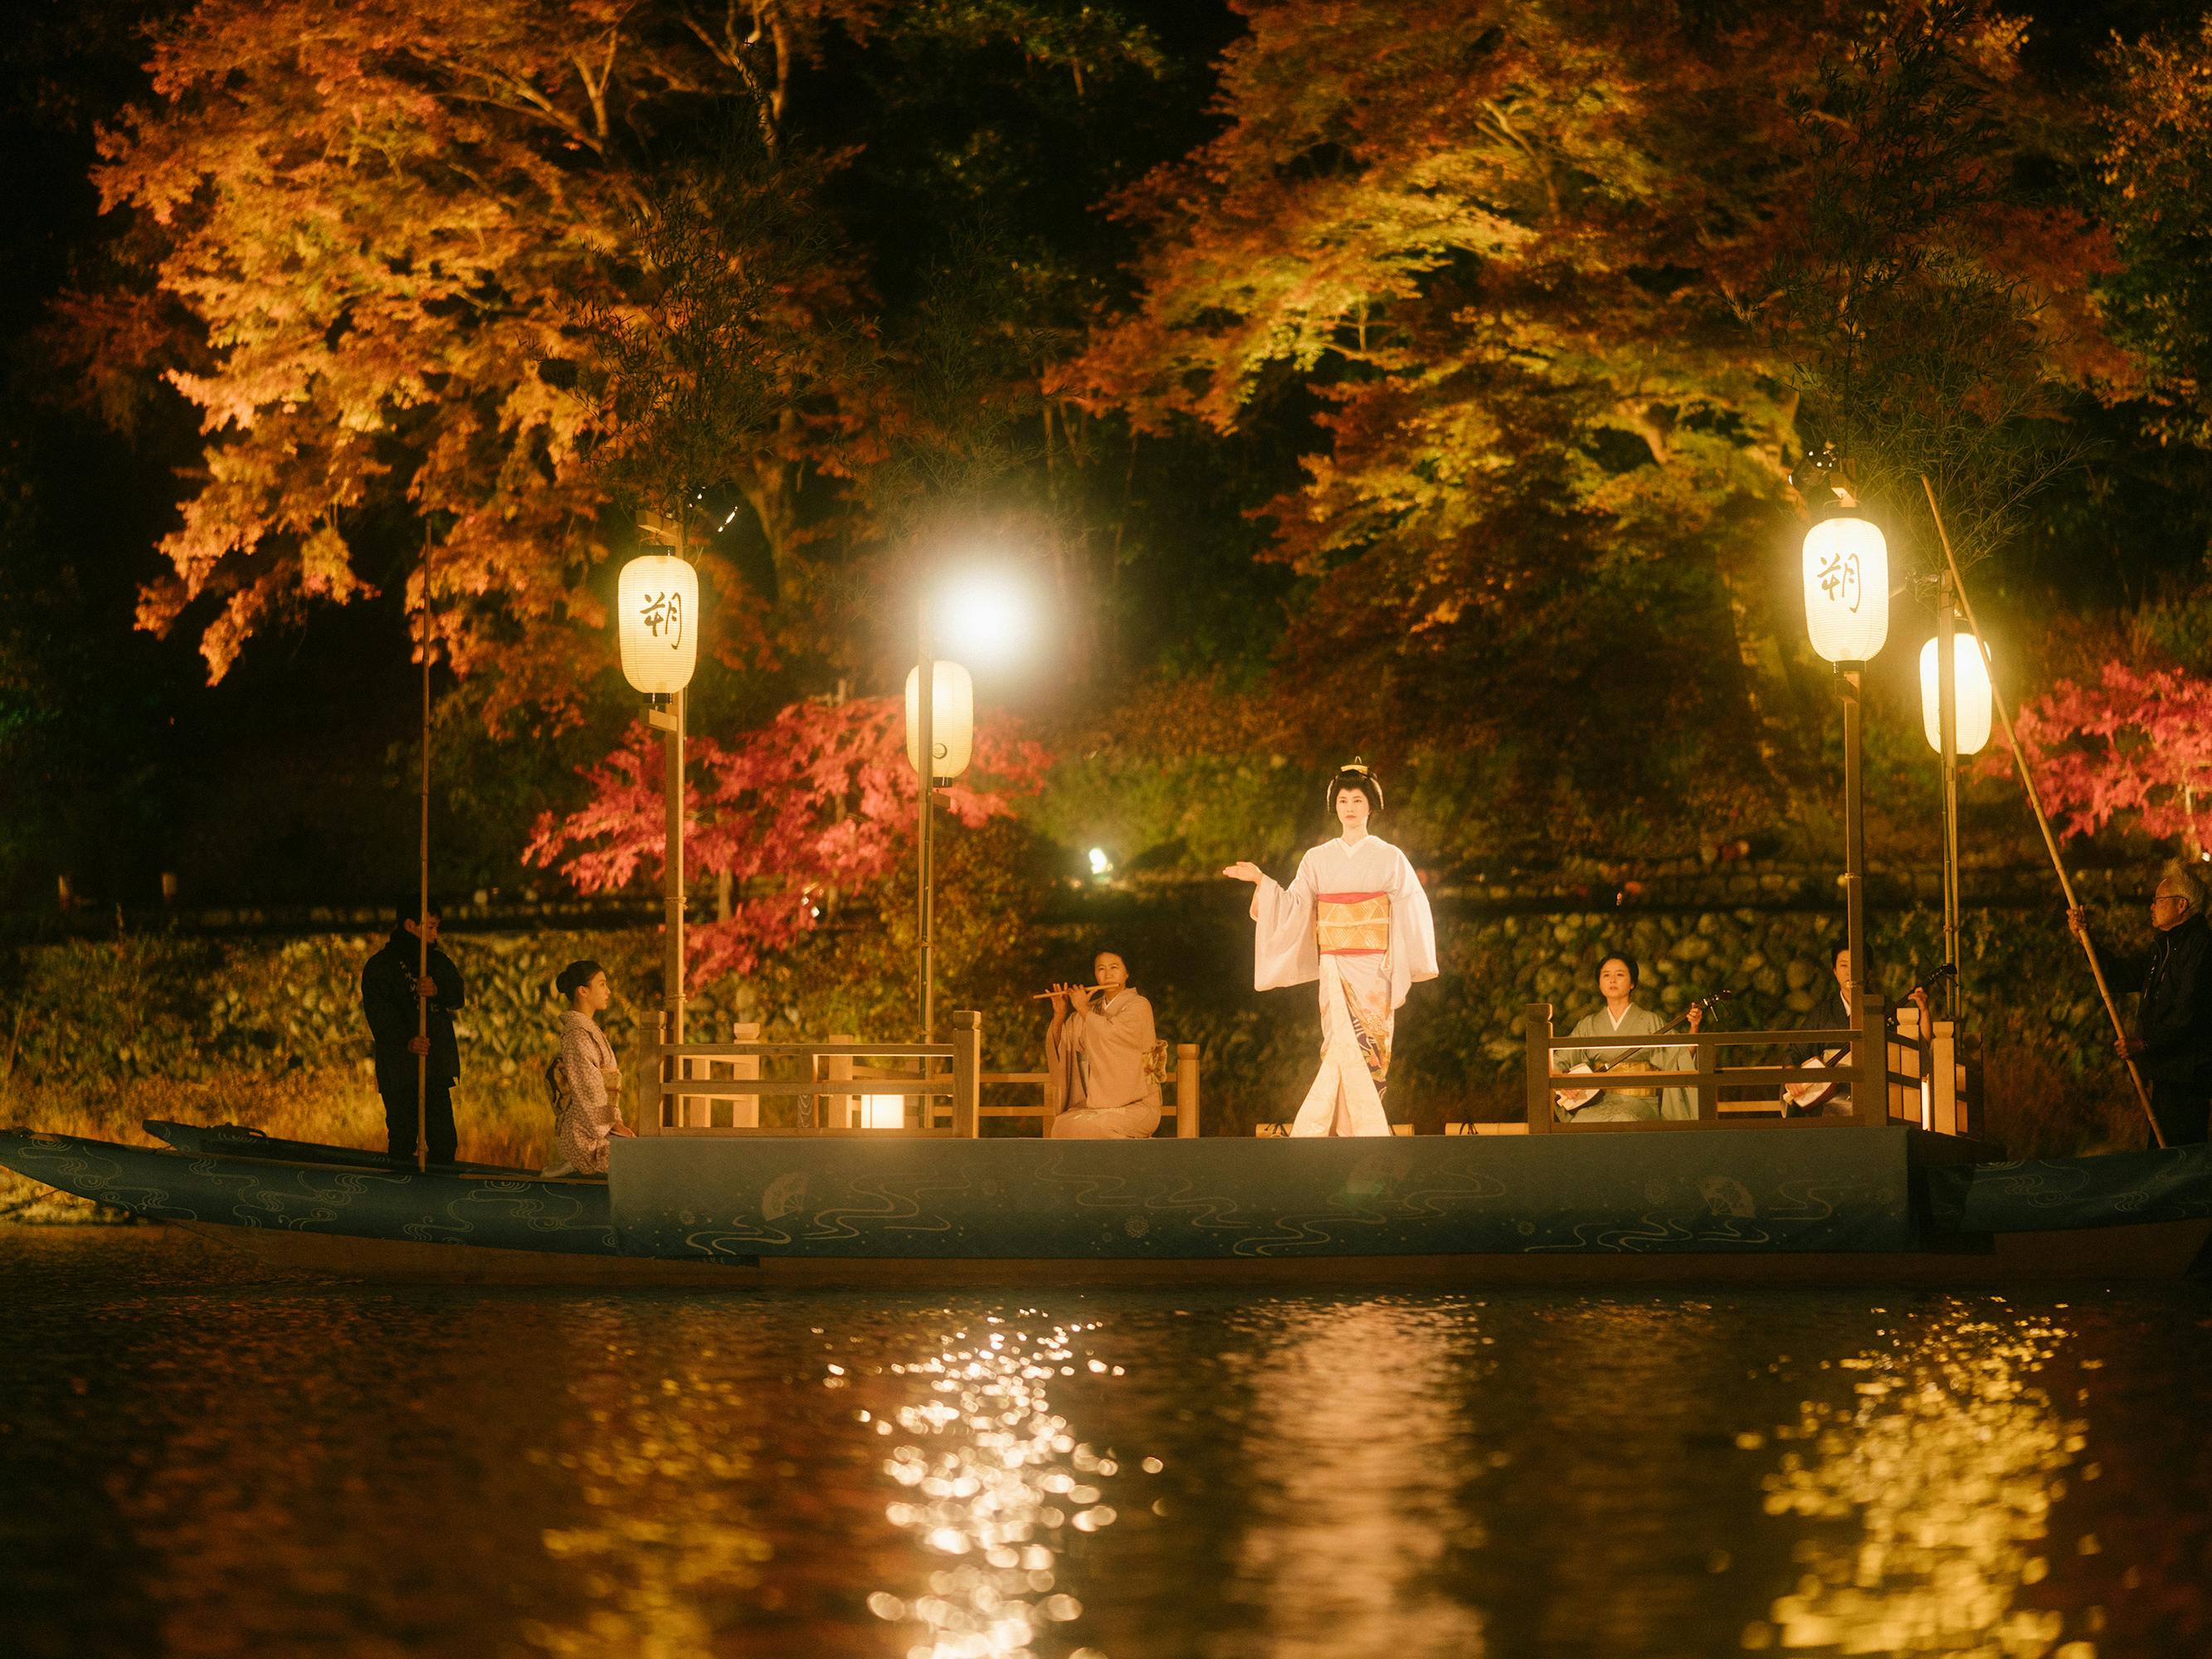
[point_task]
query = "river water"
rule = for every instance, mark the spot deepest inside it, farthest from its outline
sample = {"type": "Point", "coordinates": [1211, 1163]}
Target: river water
{"type": "Point", "coordinates": [198, 1456]}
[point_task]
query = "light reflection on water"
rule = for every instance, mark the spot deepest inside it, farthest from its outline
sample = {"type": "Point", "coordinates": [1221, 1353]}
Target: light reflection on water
{"type": "Point", "coordinates": [197, 1463]}
{"type": "Point", "coordinates": [1941, 1471]}
{"type": "Point", "coordinates": [1353, 1438]}
{"type": "Point", "coordinates": [994, 1477]}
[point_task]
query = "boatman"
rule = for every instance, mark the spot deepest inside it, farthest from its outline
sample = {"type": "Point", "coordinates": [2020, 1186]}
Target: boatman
{"type": "Point", "coordinates": [389, 990]}
{"type": "Point", "coordinates": [2172, 1044]}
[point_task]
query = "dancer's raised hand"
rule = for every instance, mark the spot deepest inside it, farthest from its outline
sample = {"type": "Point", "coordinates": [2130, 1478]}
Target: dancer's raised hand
{"type": "Point", "coordinates": [1243, 870]}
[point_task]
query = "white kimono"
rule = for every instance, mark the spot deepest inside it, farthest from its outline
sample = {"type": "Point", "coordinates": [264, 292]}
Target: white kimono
{"type": "Point", "coordinates": [1355, 919]}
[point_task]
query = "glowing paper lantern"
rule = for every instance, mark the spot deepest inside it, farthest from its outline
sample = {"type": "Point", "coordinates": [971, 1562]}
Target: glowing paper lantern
{"type": "Point", "coordinates": [1847, 589]}
{"type": "Point", "coordinates": [657, 609]}
{"type": "Point", "coordinates": [1970, 684]}
{"type": "Point", "coordinates": [951, 719]}
{"type": "Point", "coordinates": [882, 1111]}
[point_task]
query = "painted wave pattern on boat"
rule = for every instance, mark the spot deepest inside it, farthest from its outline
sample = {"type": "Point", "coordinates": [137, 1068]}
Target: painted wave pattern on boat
{"type": "Point", "coordinates": [1187, 1201]}
{"type": "Point", "coordinates": [2110, 1190]}
{"type": "Point", "coordinates": [568, 1217]}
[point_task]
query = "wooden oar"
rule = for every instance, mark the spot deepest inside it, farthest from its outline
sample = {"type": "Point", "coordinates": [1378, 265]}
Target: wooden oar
{"type": "Point", "coordinates": [423, 904]}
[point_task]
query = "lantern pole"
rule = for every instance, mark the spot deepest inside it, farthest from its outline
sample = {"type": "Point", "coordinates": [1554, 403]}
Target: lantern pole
{"type": "Point", "coordinates": [926, 753]}
{"type": "Point", "coordinates": [1947, 715]}
{"type": "Point", "coordinates": [672, 969]}
{"type": "Point", "coordinates": [1847, 684]}
{"type": "Point", "coordinates": [2042, 820]}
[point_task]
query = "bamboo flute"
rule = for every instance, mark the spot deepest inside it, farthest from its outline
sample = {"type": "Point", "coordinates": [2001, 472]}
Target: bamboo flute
{"type": "Point", "coordinates": [2042, 820]}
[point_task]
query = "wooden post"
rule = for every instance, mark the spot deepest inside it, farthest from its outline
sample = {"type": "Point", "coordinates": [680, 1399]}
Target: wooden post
{"type": "Point", "coordinates": [650, 1099]}
{"type": "Point", "coordinates": [1706, 1055]}
{"type": "Point", "coordinates": [1943, 1077]}
{"type": "Point", "coordinates": [1536, 1025]}
{"type": "Point", "coordinates": [1870, 1055]}
{"type": "Point", "coordinates": [745, 1111]}
{"type": "Point", "coordinates": [839, 1111]}
{"type": "Point", "coordinates": [967, 1072]}
{"type": "Point", "coordinates": [1185, 1092]}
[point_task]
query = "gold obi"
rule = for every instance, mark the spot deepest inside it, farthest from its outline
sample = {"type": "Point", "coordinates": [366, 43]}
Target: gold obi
{"type": "Point", "coordinates": [1353, 924]}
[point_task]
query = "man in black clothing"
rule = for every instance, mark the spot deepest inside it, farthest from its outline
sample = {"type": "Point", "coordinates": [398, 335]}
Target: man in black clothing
{"type": "Point", "coordinates": [389, 989]}
{"type": "Point", "coordinates": [2172, 1045]}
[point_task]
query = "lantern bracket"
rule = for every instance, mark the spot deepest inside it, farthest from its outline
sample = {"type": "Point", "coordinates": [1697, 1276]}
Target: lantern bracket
{"type": "Point", "coordinates": [660, 712]}
{"type": "Point", "coordinates": [1823, 479]}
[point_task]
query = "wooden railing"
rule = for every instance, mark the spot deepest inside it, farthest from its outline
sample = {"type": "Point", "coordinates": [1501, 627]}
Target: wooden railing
{"type": "Point", "coordinates": [683, 1084]}
{"type": "Point", "coordinates": [1938, 1087]}
{"type": "Point", "coordinates": [1183, 1107]}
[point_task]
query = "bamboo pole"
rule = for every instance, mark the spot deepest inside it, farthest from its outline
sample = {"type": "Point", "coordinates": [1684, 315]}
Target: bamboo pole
{"type": "Point", "coordinates": [422, 897]}
{"type": "Point", "coordinates": [2042, 820]}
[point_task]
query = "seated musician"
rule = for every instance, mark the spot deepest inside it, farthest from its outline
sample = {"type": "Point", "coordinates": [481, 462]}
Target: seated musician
{"type": "Point", "coordinates": [1834, 1011]}
{"type": "Point", "coordinates": [1618, 977]}
{"type": "Point", "coordinates": [1099, 1054]}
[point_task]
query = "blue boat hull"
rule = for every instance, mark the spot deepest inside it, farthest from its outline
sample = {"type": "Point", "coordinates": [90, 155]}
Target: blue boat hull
{"type": "Point", "coordinates": [373, 1200]}
{"type": "Point", "coordinates": [1719, 1205]}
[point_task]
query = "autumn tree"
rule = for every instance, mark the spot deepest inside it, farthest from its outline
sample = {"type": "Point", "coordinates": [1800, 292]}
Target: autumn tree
{"type": "Point", "coordinates": [817, 802]}
{"type": "Point", "coordinates": [2134, 747]}
{"type": "Point", "coordinates": [1511, 257]}
{"type": "Point", "coordinates": [1931, 303]}
{"type": "Point", "coordinates": [368, 228]}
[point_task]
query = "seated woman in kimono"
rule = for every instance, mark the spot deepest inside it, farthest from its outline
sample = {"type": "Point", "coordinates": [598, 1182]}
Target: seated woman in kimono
{"type": "Point", "coordinates": [1098, 1055]}
{"type": "Point", "coordinates": [1355, 919]}
{"type": "Point", "coordinates": [1618, 977]}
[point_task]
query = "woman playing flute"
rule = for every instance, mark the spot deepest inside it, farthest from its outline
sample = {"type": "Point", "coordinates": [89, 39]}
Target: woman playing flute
{"type": "Point", "coordinates": [1098, 1055]}
{"type": "Point", "coordinates": [1355, 919]}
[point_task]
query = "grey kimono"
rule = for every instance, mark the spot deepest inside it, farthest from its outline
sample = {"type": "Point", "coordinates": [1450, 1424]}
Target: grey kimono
{"type": "Point", "coordinates": [1619, 1105]}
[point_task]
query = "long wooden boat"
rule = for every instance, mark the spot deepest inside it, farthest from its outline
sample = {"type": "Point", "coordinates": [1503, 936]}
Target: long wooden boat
{"type": "Point", "coordinates": [1873, 1204]}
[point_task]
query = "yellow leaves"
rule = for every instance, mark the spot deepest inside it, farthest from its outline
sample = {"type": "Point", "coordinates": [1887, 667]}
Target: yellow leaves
{"type": "Point", "coordinates": [326, 566]}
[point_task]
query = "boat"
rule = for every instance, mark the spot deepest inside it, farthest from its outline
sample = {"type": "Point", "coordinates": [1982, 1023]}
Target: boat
{"type": "Point", "coordinates": [1890, 1204]}
{"type": "Point", "coordinates": [239, 1140]}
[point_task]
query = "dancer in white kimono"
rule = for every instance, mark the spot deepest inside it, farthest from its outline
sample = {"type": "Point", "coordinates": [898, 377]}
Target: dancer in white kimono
{"type": "Point", "coordinates": [1355, 919]}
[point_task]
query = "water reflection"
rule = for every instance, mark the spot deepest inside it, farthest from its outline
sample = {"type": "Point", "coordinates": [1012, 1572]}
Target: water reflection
{"type": "Point", "coordinates": [1943, 1470]}
{"type": "Point", "coordinates": [994, 1480]}
{"type": "Point", "coordinates": [1353, 1438]}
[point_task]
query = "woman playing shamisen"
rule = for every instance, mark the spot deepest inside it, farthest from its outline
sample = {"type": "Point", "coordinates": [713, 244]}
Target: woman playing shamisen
{"type": "Point", "coordinates": [1354, 918]}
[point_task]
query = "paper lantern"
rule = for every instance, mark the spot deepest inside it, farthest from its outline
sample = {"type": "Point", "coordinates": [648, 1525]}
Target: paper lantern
{"type": "Point", "coordinates": [1970, 688]}
{"type": "Point", "coordinates": [1847, 589]}
{"type": "Point", "coordinates": [882, 1111]}
{"type": "Point", "coordinates": [657, 608]}
{"type": "Point", "coordinates": [951, 719]}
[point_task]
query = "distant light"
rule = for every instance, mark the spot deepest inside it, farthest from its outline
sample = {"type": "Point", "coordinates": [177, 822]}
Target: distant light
{"type": "Point", "coordinates": [882, 1111]}
{"type": "Point", "coordinates": [985, 618]}
{"type": "Point", "coordinates": [1100, 864]}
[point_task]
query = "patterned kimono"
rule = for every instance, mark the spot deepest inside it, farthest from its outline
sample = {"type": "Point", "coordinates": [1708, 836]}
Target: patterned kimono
{"type": "Point", "coordinates": [588, 1086]}
{"type": "Point", "coordinates": [1356, 919]}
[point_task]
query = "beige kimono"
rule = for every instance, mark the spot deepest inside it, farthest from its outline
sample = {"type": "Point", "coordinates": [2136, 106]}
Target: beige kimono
{"type": "Point", "coordinates": [1097, 1066]}
{"type": "Point", "coordinates": [1355, 919]}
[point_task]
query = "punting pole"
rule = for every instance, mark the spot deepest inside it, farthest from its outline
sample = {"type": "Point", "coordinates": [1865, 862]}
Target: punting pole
{"type": "Point", "coordinates": [423, 900]}
{"type": "Point", "coordinates": [2042, 820]}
